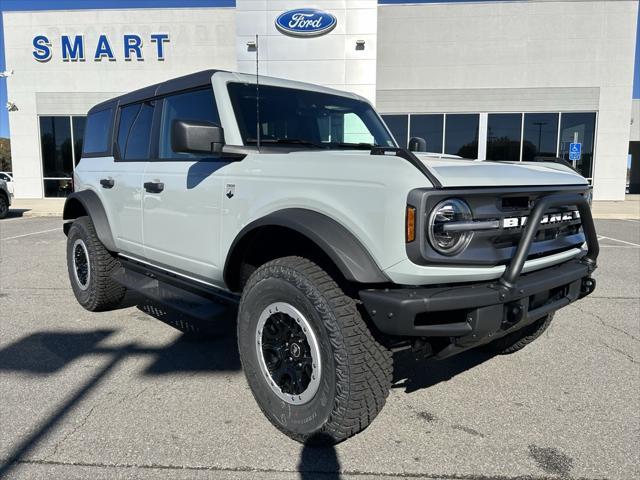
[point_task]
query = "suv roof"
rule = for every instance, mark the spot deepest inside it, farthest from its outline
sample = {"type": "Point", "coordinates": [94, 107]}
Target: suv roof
{"type": "Point", "coordinates": [203, 78]}
{"type": "Point", "coordinates": [186, 82]}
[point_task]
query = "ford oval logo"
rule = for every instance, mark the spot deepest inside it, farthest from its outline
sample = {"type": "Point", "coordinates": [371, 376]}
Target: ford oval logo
{"type": "Point", "coordinates": [305, 22]}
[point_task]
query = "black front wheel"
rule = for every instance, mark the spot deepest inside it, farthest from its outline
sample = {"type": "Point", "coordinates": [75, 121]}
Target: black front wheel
{"type": "Point", "coordinates": [312, 363]}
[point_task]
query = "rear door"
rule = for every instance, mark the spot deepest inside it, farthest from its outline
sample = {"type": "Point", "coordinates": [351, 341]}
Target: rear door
{"type": "Point", "coordinates": [132, 150]}
{"type": "Point", "coordinates": [182, 193]}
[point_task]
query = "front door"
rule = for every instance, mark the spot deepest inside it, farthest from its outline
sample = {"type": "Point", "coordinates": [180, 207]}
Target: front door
{"type": "Point", "coordinates": [182, 195]}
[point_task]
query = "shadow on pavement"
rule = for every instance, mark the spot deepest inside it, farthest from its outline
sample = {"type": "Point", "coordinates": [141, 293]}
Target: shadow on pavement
{"type": "Point", "coordinates": [17, 212]}
{"type": "Point", "coordinates": [49, 352]}
{"type": "Point", "coordinates": [416, 374]}
{"type": "Point", "coordinates": [319, 462]}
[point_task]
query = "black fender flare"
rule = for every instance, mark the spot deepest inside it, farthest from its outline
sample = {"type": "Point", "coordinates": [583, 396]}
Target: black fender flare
{"type": "Point", "coordinates": [88, 201]}
{"type": "Point", "coordinates": [348, 254]}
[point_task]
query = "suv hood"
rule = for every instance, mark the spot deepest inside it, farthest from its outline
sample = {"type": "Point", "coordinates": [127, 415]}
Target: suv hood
{"type": "Point", "coordinates": [481, 173]}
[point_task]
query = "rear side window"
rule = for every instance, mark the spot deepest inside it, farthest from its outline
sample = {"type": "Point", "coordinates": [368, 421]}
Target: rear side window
{"type": "Point", "coordinates": [134, 131]}
{"type": "Point", "coordinates": [97, 132]}
{"type": "Point", "coordinates": [198, 105]}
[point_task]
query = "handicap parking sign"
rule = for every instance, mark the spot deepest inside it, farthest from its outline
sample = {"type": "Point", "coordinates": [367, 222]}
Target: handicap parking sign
{"type": "Point", "coordinates": [575, 151]}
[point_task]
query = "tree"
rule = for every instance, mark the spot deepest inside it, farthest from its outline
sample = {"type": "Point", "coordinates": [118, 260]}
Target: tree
{"type": "Point", "coordinates": [5, 155]}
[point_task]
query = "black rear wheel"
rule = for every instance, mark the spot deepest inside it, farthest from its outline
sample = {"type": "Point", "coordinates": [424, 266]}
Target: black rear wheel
{"type": "Point", "coordinates": [90, 266]}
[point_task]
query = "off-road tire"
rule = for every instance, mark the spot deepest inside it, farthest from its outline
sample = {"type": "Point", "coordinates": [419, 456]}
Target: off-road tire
{"type": "Point", "coordinates": [4, 206]}
{"type": "Point", "coordinates": [519, 339]}
{"type": "Point", "coordinates": [356, 369]}
{"type": "Point", "coordinates": [102, 292]}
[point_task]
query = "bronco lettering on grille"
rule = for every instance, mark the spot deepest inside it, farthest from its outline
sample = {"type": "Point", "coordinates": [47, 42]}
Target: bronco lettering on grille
{"type": "Point", "coordinates": [562, 217]}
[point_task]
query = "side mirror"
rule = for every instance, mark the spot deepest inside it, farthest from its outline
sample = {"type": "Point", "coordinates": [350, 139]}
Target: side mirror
{"type": "Point", "coordinates": [191, 136]}
{"type": "Point", "coordinates": [417, 144]}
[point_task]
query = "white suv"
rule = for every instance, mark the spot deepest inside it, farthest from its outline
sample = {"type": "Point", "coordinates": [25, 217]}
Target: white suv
{"type": "Point", "coordinates": [294, 201]}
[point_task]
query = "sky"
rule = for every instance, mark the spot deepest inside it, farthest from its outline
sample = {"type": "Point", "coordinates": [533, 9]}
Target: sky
{"type": "Point", "coordinates": [13, 5]}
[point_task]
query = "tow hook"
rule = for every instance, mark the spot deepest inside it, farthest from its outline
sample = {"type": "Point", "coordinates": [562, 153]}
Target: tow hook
{"type": "Point", "coordinates": [513, 314]}
{"type": "Point", "coordinates": [588, 286]}
{"type": "Point", "coordinates": [421, 348]}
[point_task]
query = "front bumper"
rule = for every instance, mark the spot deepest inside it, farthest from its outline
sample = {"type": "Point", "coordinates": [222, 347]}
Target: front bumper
{"type": "Point", "coordinates": [481, 312]}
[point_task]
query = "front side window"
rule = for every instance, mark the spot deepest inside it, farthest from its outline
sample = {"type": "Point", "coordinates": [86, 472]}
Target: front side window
{"type": "Point", "coordinates": [306, 119]}
{"type": "Point", "coordinates": [134, 131]}
{"type": "Point", "coordinates": [198, 105]}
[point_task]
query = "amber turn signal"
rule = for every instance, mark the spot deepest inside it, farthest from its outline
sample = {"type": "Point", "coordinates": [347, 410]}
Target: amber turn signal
{"type": "Point", "coordinates": [410, 224]}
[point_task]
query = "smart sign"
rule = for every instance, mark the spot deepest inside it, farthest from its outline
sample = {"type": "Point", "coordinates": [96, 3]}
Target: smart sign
{"type": "Point", "coordinates": [75, 48]}
{"type": "Point", "coordinates": [305, 22]}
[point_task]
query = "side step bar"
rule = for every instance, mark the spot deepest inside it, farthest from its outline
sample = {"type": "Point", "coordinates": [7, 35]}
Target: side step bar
{"type": "Point", "coordinates": [175, 294]}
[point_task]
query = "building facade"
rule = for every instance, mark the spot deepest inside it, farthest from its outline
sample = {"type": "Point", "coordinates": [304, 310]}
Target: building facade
{"type": "Point", "coordinates": [495, 80]}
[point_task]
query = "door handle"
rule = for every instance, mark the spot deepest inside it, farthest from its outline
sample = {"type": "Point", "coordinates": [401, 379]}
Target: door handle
{"type": "Point", "coordinates": [153, 187]}
{"type": "Point", "coordinates": [107, 182]}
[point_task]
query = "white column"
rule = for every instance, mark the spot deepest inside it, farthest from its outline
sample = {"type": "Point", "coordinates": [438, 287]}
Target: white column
{"type": "Point", "coordinates": [482, 136]}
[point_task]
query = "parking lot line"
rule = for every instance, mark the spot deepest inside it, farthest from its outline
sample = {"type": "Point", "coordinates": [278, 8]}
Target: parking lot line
{"type": "Point", "coordinates": [32, 233]}
{"type": "Point", "coordinates": [618, 240]}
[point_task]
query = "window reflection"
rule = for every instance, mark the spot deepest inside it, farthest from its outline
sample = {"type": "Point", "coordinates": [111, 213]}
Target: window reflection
{"type": "Point", "coordinates": [428, 127]}
{"type": "Point", "coordinates": [78, 124]}
{"type": "Point", "coordinates": [55, 140]}
{"type": "Point", "coordinates": [59, 153]}
{"type": "Point", "coordinates": [461, 135]}
{"type": "Point", "coordinates": [503, 136]}
{"type": "Point", "coordinates": [398, 126]}
{"type": "Point", "coordinates": [540, 136]}
{"type": "Point", "coordinates": [580, 128]}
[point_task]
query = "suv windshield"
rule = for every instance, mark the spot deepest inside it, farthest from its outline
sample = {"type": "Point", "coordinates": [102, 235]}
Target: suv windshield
{"type": "Point", "coordinates": [306, 119]}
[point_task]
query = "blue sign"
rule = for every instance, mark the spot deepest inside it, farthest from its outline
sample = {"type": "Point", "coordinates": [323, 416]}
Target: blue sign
{"type": "Point", "coordinates": [575, 151]}
{"type": "Point", "coordinates": [72, 48]}
{"type": "Point", "coordinates": [305, 22]}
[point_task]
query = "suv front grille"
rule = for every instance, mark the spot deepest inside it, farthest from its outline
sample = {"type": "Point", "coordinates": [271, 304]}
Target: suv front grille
{"type": "Point", "coordinates": [511, 207]}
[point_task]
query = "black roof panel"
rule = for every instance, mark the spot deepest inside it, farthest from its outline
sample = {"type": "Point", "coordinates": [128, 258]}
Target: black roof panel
{"type": "Point", "coordinates": [193, 80]}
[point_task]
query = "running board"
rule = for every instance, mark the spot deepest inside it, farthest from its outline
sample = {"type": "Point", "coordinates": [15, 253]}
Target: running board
{"type": "Point", "coordinates": [175, 294]}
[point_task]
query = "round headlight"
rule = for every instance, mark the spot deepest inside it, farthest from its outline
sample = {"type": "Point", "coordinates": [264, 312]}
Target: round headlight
{"type": "Point", "coordinates": [445, 241]}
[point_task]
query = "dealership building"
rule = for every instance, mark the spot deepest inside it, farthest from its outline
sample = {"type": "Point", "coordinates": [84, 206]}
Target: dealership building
{"type": "Point", "coordinates": [494, 80]}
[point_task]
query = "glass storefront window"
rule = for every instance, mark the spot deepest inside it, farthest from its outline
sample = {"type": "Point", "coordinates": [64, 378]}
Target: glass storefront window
{"type": "Point", "coordinates": [580, 128]}
{"type": "Point", "coordinates": [503, 136]}
{"type": "Point", "coordinates": [398, 124]}
{"type": "Point", "coordinates": [60, 151]}
{"type": "Point", "coordinates": [461, 135]}
{"type": "Point", "coordinates": [55, 139]}
{"type": "Point", "coordinates": [57, 187]}
{"type": "Point", "coordinates": [428, 127]}
{"type": "Point", "coordinates": [540, 136]}
{"type": "Point", "coordinates": [78, 124]}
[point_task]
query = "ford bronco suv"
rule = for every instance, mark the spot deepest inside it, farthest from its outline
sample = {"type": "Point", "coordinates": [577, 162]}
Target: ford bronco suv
{"type": "Point", "coordinates": [293, 205]}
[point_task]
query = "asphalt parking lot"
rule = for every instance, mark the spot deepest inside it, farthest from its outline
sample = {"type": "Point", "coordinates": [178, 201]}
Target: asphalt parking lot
{"type": "Point", "coordinates": [122, 395]}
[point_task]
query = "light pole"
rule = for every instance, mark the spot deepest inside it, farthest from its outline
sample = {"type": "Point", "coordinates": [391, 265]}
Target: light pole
{"type": "Point", "coordinates": [540, 124]}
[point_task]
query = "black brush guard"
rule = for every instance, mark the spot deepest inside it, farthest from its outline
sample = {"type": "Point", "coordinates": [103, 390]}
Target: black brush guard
{"type": "Point", "coordinates": [481, 312]}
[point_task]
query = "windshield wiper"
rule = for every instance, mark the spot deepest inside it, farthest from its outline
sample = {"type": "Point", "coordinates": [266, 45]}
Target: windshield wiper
{"type": "Point", "coordinates": [285, 141]}
{"type": "Point", "coordinates": [357, 146]}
